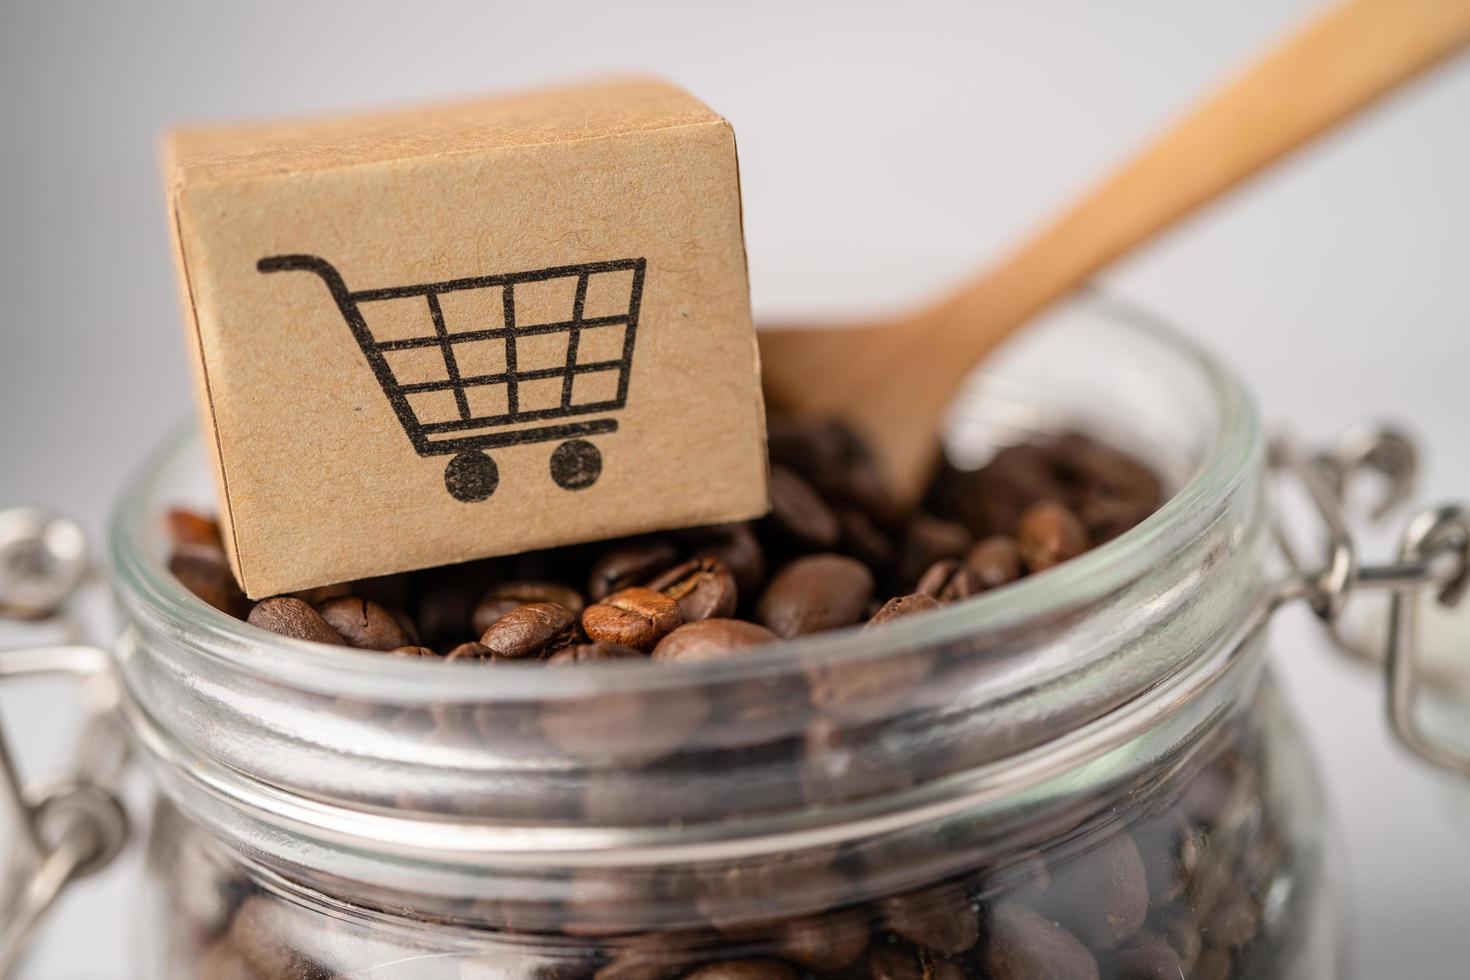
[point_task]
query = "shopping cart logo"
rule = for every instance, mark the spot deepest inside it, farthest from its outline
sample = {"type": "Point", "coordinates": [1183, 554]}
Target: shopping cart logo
{"type": "Point", "coordinates": [471, 365]}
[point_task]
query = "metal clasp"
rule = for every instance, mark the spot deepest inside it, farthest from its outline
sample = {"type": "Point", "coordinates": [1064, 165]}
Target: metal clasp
{"type": "Point", "coordinates": [73, 824]}
{"type": "Point", "coordinates": [1433, 554]}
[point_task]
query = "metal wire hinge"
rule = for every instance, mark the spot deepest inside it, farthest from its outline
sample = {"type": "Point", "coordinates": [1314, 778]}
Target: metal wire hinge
{"type": "Point", "coordinates": [72, 825]}
{"type": "Point", "coordinates": [1433, 555]}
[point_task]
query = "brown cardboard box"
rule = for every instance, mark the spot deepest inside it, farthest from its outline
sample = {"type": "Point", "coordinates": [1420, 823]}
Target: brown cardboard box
{"type": "Point", "coordinates": [330, 266]}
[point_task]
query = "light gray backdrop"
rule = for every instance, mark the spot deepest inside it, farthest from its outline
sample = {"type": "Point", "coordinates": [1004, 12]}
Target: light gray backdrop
{"type": "Point", "coordinates": [885, 149]}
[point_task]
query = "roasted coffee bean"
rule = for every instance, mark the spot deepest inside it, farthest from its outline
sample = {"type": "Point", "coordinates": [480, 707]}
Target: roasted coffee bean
{"type": "Point", "coordinates": [646, 957]}
{"type": "Point", "coordinates": [1182, 933]}
{"type": "Point", "coordinates": [629, 563]}
{"type": "Point", "coordinates": [862, 538]}
{"type": "Point", "coordinates": [798, 513]}
{"type": "Point", "coordinates": [1146, 957]}
{"type": "Point", "coordinates": [363, 623]}
{"type": "Point", "coordinates": [1213, 964]}
{"type": "Point", "coordinates": [949, 580]}
{"type": "Point", "coordinates": [736, 547]}
{"type": "Point", "coordinates": [293, 618]}
{"type": "Point", "coordinates": [745, 897]}
{"type": "Point", "coordinates": [996, 561]}
{"type": "Point", "coordinates": [990, 500]}
{"type": "Point", "coordinates": [1048, 534]}
{"type": "Point", "coordinates": [591, 653]}
{"type": "Point", "coordinates": [413, 651]}
{"type": "Point", "coordinates": [532, 630]}
{"type": "Point", "coordinates": [743, 970]}
{"type": "Point", "coordinates": [1171, 848]}
{"type": "Point", "coordinates": [867, 689]}
{"type": "Point", "coordinates": [900, 606]}
{"type": "Point", "coordinates": [711, 639]}
{"type": "Point", "coordinates": [626, 727]}
{"type": "Point", "coordinates": [902, 962]}
{"type": "Point", "coordinates": [824, 942]}
{"type": "Point", "coordinates": [502, 598]}
{"type": "Point", "coordinates": [635, 617]}
{"type": "Point", "coordinates": [193, 532]}
{"type": "Point", "coordinates": [1235, 917]}
{"type": "Point", "coordinates": [1101, 895]}
{"type": "Point", "coordinates": [940, 918]}
{"type": "Point", "coordinates": [703, 588]}
{"type": "Point", "coordinates": [1023, 945]}
{"type": "Point", "coordinates": [817, 448]}
{"type": "Point", "coordinates": [815, 593]}
{"type": "Point", "coordinates": [469, 651]}
{"type": "Point", "coordinates": [929, 539]}
{"type": "Point", "coordinates": [208, 577]}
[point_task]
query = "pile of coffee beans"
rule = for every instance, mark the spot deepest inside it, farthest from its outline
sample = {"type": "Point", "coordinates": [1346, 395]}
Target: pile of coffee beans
{"type": "Point", "coordinates": [1194, 876]}
{"type": "Point", "coordinates": [835, 551]}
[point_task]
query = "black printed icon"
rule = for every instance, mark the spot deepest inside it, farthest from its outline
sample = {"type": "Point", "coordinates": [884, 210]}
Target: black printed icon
{"type": "Point", "coordinates": [483, 362]}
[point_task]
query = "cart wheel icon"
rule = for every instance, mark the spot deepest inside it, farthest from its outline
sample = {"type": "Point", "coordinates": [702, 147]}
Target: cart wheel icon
{"type": "Point", "coordinates": [576, 464]}
{"type": "Point", "coordinates": [471, 477]}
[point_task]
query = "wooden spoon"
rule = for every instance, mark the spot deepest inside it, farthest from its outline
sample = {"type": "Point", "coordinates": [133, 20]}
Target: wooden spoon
{"type": "Point", "coordinates": [893, 380]}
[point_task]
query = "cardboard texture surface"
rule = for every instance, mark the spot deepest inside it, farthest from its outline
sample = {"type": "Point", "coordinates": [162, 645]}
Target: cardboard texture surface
{"type": "Point", "coordinates": [441, 334]}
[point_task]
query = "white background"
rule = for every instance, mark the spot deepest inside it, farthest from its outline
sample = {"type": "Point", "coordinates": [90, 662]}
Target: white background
{"type": "Point", "coordinates": [885, 150]}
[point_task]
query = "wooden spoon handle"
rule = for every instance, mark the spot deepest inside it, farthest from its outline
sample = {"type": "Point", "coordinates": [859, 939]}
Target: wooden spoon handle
{"type": "Point", "coordinates": [1339, 62]}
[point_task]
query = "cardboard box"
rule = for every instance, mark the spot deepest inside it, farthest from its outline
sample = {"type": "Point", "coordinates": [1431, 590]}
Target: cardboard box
{"type": "Point", "coordinates": [448, 333]}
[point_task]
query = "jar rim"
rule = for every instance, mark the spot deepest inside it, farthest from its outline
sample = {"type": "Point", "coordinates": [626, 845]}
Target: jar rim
{"type": "Point", "coordinates": [145, 580]}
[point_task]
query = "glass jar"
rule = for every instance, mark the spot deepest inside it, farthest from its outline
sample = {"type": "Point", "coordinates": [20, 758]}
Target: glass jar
{"type": "Point", "coordinates": [1087, 773]}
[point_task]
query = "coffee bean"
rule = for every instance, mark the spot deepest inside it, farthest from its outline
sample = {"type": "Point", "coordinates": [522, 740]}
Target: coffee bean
{"type": "Point", "coordinates": [711, 639]}
{"type": "Point", "coordinates": [736, 547]}
{"type": "Point", "coordinates": [645, 957]}
{"type": "Point", "coordinates": [413, 651]}
{"type": "Point", "coordinates": [798, 513]}
{"type": "Point", "coordinates": [363, 623]}
{"type": "Point", "coordinates": [1213, 964]}
{"type": "Point", "coordinates": [469, 651]}
{"type": "Point", "coordinates": [929, 539]}
{"type": "Point", "coordinates": [1235, 917]}
{"type": "Point", "coordinates": [901, 606]}
{"type": "Point", "coordinates": [634, 617]}
{"type": "Point", "coordinates": [293, 618]}
{"type": "Point", "coordinates": [949, 581]}
{"type": "Point", "coordinates": [996, 561]}
{"type": "Point", "coordinates": [1023, 945]}
{"type": "Point", "coordinates": [195, 533]}
{"type": "Point", "coordinates": [1101, 895]}
{"type": "Point", "coordinates": [862, 538]}
{"type": "Point", "coordinates": [824, 942]}
{"type": "Point", "coordinates": [901, 962]}
{"type": "Point", "coordinates": [629, 563]}
{"type": "Point", "coordinates": [743, 970]}
{"type": "Point", "coordinates": [818, 592]}
{"type": "Point", "coordinates": [502, 598]}
{"type": "Point", "coordinates": [703, 588]}
{"type": "Point", "coordinates": [867, 689]}
{"type": "Point", "coordinates": [1048, 534]}
{"type": "Point", "coordinates": [529, 630]}
{"type": "Point", "coordinates": [624, 727]}
{"type": "Point", "coordinates": [209, 578]}
{"type": "Point", "coordinates": [1146, 957]}
{"type": "Point", "coordinates": [940, 918]}
{"type": "Point", "coordinates": [591, 653]}
{"type": "Point", "coordinates": [1171, 848]}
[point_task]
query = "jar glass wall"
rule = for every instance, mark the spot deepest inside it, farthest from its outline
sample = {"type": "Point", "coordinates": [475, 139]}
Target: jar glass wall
{"type": "Point", "coordinates": [1082, 774]}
